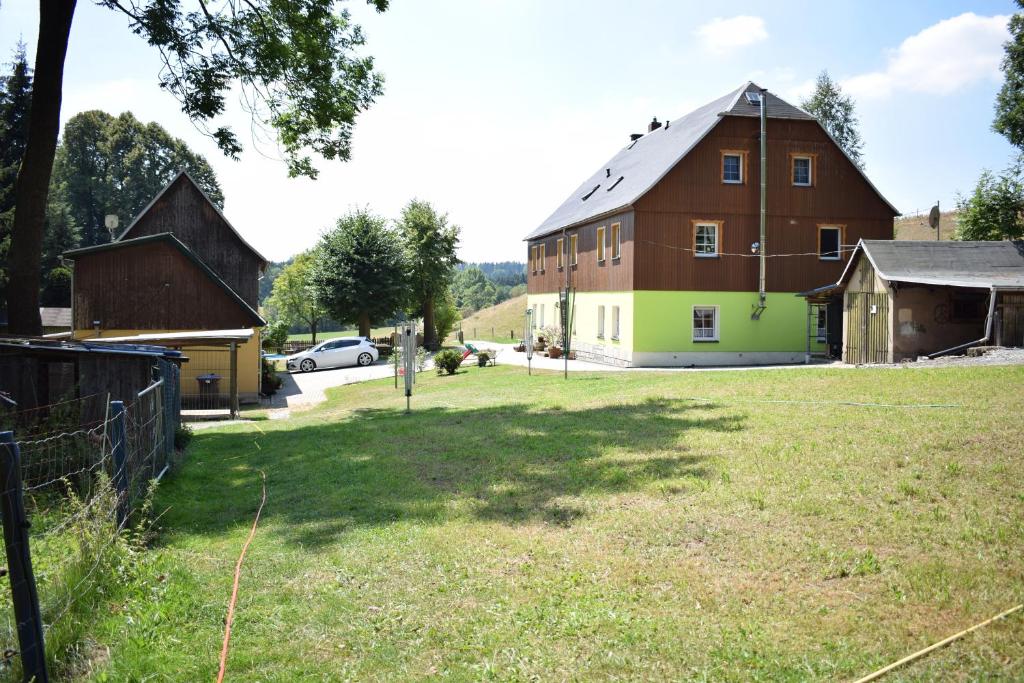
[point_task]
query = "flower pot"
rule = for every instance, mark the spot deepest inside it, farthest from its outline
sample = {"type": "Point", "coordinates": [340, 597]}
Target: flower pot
{"type": "Point", "coordinates": [554, 352]}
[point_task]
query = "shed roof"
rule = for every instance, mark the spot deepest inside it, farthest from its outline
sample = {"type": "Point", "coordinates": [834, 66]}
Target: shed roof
{"type": "Point", "coordinates": [187, 176]}
{"type": "Point", "coordinates": [178, 244]}
{"type": "Point", "coordinates": [190, 338]}
{"type": "Point", "coordinates": [955, 264]}
{"type": "Point", "coordinates": [38, 345]}
{"type": "Point", "coordinates": [638, 167]}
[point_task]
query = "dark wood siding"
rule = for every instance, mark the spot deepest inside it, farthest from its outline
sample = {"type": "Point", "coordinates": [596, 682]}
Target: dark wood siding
{"type": "Point", "coordinates": [183, 211]}
{"type": "Point", "coordinates": [151, 286]}
{"type": "Point", "coordinates": [611, 275]}
{"type": "Point", "coordinates": [693, 191]}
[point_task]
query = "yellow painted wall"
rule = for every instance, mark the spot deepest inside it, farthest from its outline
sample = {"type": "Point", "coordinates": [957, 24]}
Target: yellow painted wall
{"type": "Point", "coordinates": [204, 360]}
{"type": "Point", "coordinates": [585, 328]}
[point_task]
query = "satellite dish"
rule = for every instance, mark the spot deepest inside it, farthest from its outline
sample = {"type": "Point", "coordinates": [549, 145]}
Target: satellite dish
{"type": "Point", "coordinates": [933, 216]}
{"type": "Point", "coordinates": [110, 221]}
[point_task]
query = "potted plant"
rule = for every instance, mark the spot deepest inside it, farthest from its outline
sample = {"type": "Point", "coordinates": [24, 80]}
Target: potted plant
{"type": "Point", "coordinates": [554, 347]}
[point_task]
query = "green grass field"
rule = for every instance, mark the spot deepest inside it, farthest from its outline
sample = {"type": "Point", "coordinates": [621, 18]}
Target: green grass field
{"type": "Point", "coordinates": [622, 525]}
{"type": "Point", "coordinates": [322, 336]}
{"type": "Point", "coordinates": [494, 323]}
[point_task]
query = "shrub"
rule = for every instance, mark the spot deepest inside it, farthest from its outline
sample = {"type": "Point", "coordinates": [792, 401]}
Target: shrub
{"type": "Point", "coordinates": [447, 361]}
{"type": "Point", "coordinates": [275, 335]}
{"type": "Point", "coordinates": [182, 436]}
{"type": "Point", "coordinates": [269, 380]}
{"type": "Point", "coordinates": [482, 358]}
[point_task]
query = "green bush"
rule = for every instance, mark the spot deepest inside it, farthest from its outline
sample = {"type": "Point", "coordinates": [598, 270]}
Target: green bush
{"type": "Point", "coordinates": [270, 382]}
{"type": "Point", "coordinates": [275, 335]}
{"type": "Point", "coordinates": [182, 436]}
{"type": "Point", "coordinates": [447, 361]}
{"type": "Point", "coordinates": [482, 358]}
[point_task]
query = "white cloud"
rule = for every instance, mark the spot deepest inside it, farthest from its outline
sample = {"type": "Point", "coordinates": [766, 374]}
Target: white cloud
{"type": "Point", "coordinates": [941, 59]}
{"type": "Point", "coordinates": [721, 35]}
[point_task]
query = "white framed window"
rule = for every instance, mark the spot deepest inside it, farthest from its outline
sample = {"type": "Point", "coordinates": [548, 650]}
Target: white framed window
{"type": "Point", "coordinates": [542, 315]}
{"type": "Point", "coordinates": [560, 258]}
{"type": "Point", "coordinates": [821, 322]}
{"type": "Point", "coordinates": [600, 244]}
{"type": "Point", "coordinates": [574, 318]}
{"type": "Point", "coordinates": [615, 323]}
{"type": "Point", "coordinates": [705, 323]}
{"type": "Point", "coordinates": [705, 239]}
{"type": "Point", "coordinates": [573, 251]}
{"type": "Point", "coordinates": [830, 238]}
{"type": "Point", "coordinates": [616, 241]}
{"type": "Point", "coordinates": [533, 318]}
{"type": "Point", "coordinates": [600, 322]}
{"type": "Point", "coordinates": [732, 168]}
{"type": "Point", "coordinates": [803, 171]}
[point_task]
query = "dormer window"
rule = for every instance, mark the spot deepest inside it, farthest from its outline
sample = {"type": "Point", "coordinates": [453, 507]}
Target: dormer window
{"type": "Point", "coordinates": [803, 170]}
{"type": "Point", "coordinates": [732, 167]}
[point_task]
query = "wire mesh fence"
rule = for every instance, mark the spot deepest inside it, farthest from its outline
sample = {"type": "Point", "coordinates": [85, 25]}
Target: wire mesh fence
{"type": "Point", "coordinates": [73, 478]}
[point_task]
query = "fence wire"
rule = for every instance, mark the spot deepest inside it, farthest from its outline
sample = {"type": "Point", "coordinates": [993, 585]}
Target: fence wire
{"type": "Point", "coordinates": [85, 469]}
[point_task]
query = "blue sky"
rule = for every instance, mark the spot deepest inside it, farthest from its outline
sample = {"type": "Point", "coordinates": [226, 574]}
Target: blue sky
{"type": "Point", "coordinates": [496, 110]}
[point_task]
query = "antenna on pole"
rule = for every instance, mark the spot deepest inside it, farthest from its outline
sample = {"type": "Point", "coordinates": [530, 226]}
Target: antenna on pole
{"type": "Point", "coordinates": [110, 221]}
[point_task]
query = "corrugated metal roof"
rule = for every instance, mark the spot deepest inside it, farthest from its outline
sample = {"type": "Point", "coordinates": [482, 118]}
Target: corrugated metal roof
{"type": "Point", "coordinates": [52, 346]}
{"type": "Point", "coordinates": [955, 264]}
{"type": "Point", "coordinates": [639, 166]}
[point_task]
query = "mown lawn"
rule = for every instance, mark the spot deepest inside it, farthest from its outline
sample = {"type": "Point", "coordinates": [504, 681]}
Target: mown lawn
{"type": "Point", "coordinates": [608, 526]}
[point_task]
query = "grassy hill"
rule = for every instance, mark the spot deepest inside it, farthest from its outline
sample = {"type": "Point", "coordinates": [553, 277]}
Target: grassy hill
{"type": "Point", "coordinates": [501, 323]}
{"type": "Point", "coordinates": [916, 227]}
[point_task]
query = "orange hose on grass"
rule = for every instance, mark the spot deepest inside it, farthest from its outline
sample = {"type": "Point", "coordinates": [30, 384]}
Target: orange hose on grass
{"type": "Point", "coordinates": [234, 590]}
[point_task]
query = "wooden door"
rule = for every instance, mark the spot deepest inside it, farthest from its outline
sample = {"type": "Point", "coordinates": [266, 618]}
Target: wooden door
{"type": "Point", "coordinates": [867, 339]}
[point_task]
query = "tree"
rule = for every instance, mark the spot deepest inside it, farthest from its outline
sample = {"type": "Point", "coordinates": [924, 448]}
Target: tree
{"type": "Point", "coordinates": [446, 314]}
{"type": "Point", "coordinates": [294, 298]}
{"type": "Point", "coordinates": [359, 270]}
{"type": "Point", "coordinates": [1009, 121]}
{"type": "Point", "coordinates": [275, 335]}
{"type": "Point", "coordinates": [837, 113]}
{"type": "Point", "coordinates": [293, 63]}
{"type": "Point", "coordinates": [117, 164]}
{"type": "Point", "coordinates": [15, 100]}
{"type": "Point", "coordinates": [995, 210]}
{"type": "Point", "coordinates": [430, 246]}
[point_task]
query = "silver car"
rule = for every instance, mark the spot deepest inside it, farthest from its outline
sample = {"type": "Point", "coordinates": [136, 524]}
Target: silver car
{"type": "Point", "coordinates": [334, 353]}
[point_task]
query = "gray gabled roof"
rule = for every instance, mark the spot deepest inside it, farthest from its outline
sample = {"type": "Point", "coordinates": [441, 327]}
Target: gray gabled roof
{"type": "Point", "coordinates": [955, 264]}
{"type": "Point", "coordinates": [638, 167]}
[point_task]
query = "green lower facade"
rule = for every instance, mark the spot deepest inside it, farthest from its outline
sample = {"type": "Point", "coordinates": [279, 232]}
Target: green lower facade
{"type": "Point", "coordinates": [657, 328]}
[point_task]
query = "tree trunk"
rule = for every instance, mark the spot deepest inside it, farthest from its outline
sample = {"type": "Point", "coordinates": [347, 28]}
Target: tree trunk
{"type": "Point", "coordinates": [364, 324]}
{"type": "Point", "coordinates": [312, 329]}
{"type": "Point", "coordinates": [33, 184]}
{"type": "Point", "coordinates": [429, 329]}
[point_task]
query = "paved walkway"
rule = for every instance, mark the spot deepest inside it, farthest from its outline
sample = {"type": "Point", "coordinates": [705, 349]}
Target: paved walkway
{"type": "Point", "coordinates": [308, 388]}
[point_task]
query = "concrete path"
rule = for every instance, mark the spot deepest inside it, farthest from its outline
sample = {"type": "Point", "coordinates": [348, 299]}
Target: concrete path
{"type": "Point", "coordinates": [308, 388]}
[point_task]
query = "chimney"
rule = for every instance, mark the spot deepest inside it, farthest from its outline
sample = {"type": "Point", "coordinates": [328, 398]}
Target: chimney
{"type": "Point", "coordinates": [654, 125]}
{"type": "Point", "coordinates": [633, 137]}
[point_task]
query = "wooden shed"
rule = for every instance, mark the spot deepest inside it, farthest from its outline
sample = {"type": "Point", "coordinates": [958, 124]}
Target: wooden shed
{"type": "Point", "coordinates": [904, 299]}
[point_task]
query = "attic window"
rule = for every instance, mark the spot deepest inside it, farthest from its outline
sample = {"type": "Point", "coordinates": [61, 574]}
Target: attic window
{"type": "Point", "coordinates": [615, 183]}
{"type": "Point", "coordinates": [587, 195]}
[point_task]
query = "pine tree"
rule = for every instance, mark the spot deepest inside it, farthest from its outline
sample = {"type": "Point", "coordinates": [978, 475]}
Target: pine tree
{"type": "Point", "coordinates": [837, 113]}
{"type": "Point", "coordinates": [15, 100]}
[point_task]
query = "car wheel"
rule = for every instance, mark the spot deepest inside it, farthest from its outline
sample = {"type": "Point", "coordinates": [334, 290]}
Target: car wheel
{"type": "Point", "coordinates": [365, 359]}
{"type": "Point", "coordinates": [307, 365]}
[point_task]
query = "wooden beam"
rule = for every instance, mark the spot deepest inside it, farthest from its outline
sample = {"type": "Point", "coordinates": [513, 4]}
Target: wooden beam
{"type": "Point", "coordinates": [234, 380]}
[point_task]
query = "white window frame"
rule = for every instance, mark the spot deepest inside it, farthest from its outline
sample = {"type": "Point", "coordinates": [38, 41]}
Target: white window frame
{"type": "Point", "coordinates": [615, 323]}
{"type": "Point", "coordinates": [715, 327]}
{"type": "Point", "coordinates": [839, 243]}
{"type": "Point", "coordinates": [739, 158]}
{"type": "Point", "coordinates": [542, 315]}
{"type": "Point", "coordinates": [810, 170]}
{"type": "Point", "coordinates": [600, 322]}
{"type": "Point", "coordinates": [533, 318]}
{"type": "Point", "coordinates": [717, 231]}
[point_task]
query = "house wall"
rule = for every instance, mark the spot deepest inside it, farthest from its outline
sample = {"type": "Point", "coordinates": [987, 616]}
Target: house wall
{"type": "Point", "coordinates": [151, 286]}
{"type": "Point", "coordinates": [611, 275]}
{"type": "Point", "coordinates": [693, 191]}
{"type": "Point", "coordinates": [586, 342]}
{"type": "Point", "coordinates": [924, 321]}
{"type": "Point", "coordinates": [185, 212]}
{"type": "Point", "coordinates": [204, 360]}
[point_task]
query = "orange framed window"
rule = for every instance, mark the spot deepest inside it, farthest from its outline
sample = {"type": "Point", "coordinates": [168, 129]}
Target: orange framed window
{"type": "Point", "coordinates": [600, 244]}
{"type": "Point", "coordinates": [543, 257]}
{"type": "Point", "coordinates": [560, 257]}
{"type": "Point", "coordinates": [533, 258]}
{"type": "Point", "coordinates": [616, 238]}
{"type": "Point", "coordinates": [573, 250]}
{"type": "Point", "coordinates": [802, 168]}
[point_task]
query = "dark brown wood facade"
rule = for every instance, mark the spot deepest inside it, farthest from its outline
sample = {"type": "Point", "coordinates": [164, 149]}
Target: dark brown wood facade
{"type": "Point", "coordinates": [610, 275]}
{"type": "Point", "coordinates": [657, 246]}
{"type": "Point", "coordinates": [150, 286]}
{"type": "Point", "coordinates": [183, 210]}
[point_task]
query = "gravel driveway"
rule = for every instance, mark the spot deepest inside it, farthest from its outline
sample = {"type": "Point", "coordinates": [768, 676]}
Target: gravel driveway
{"type": "Point", "coordinates": [307, 388]}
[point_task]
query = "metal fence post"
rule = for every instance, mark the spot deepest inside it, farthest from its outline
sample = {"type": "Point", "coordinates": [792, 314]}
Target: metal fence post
{"type": "Point", "coordinates": [19, 563]}
{"type": "Point", "coordinates": [120, 450]}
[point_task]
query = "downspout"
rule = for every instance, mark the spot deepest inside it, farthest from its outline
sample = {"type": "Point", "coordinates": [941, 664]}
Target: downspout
{"type": "Point", "coordinates": [988, 329]}
{"type": "Point", "coordinates": [764, 197]}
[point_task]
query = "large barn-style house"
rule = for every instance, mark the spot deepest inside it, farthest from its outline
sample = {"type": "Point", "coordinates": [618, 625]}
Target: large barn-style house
{"type": "Point", "coordinates": [179, 276]}
{"type": "Point", "coordinates": [664, 251]}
